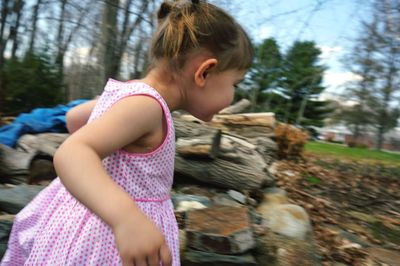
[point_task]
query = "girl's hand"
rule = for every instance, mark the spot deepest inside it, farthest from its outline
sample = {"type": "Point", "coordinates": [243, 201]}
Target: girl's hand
{"type": "Point", "coordinates": [140, 242]}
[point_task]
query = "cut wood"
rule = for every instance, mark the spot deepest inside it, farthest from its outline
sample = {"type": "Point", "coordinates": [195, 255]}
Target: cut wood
{"type": "Point", "coordinates": [14, 164]}
{"type": "Point", "coordinates": [45, 143]}
{"type": "Point", "coordinates": [237, 107]}
{"type": "Point", "coordinates": [246, 119]}
{"type": "Point", "coordinates": [191, 127]}
{"type": "Point", "coordinates": [222, 173]}
{"type": "Point", "coordinates": [200, 147]}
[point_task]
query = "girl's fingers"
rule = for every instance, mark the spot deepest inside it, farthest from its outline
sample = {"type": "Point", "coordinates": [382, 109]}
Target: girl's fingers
{"type": "Point", "coordinates": [153, 260]}
{"type": "Point", "coordinates": [127, 262]}
{"type": "Point", "coordinates": [165, 255]}
{"type": "Point", "coordinates": [140, 262]}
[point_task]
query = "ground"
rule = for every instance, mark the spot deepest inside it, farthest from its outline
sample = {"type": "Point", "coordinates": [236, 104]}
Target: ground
{"type": "Point", "coordinates": [354, 207]}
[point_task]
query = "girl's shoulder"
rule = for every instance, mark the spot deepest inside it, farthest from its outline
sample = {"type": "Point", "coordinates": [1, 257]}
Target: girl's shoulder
{"type": "Point", "coordinates": [115, 91]}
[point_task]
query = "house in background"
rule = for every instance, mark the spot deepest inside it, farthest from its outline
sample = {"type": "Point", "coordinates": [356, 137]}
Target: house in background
{"type": "Point", "coordinates": [341, 134]}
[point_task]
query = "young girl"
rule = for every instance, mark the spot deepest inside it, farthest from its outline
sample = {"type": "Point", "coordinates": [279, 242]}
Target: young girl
{"type": "Point", "coordinates": [110, 204]}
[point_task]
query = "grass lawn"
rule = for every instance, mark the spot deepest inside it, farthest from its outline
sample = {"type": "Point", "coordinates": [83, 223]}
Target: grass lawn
{"type": "Point", "coordinates": [343, 152]}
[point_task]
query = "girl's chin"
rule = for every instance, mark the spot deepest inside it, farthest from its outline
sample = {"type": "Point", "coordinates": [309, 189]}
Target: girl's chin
{"type": "Point", "coordinates": [206, 118]}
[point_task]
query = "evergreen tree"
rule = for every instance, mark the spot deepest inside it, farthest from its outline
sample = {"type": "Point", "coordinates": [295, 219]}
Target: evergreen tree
{"type": "Point", "coordinates": [29, 83]}
{"type": "Point", "coordinates": [302, 84]}
{"type": "Point", "coordinates": [265, 74]}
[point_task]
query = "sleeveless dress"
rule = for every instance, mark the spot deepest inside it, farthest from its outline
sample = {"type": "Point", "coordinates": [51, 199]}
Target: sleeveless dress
{"type": "Point", "coordinates": [56, 229]}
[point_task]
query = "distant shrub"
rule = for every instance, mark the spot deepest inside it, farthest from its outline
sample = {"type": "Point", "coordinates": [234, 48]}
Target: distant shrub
{"type": "Point", "coordinates": [30, 82]}
{"type": "Point", "coordinates": [290, 141]}
{"type": "Point", "coordinates": [353, 144]}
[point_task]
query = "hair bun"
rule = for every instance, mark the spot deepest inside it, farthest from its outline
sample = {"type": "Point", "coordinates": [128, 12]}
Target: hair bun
{"type": "Point", "coordinates": [164, 10]}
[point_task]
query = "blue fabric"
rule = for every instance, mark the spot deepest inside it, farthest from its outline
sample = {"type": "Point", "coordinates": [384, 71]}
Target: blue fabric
{"type": "Point", "coordinates": [38, 121]}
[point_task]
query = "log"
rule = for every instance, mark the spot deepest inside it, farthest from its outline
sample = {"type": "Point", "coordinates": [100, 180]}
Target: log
{"type": "Point", "coordinates": [191, 128]}
{"type": "Point", "coordinates": [237, 107]}
{"type": "Point", "coordinates": [250, 125]}
{"type": "Point", "coordinates": [14, 165]}
{"type": "Point", "coordinates": [199, 147]}
{"type": "Point", "coordinates": [32, 158]}
{"type": "Point", "coordinates": [222, 173]}
{"type": "Point", "coordinates": [237, 165]}
{"type": "Point", "coordinates": [246, 119]}
{"type": "Point", "coordinates": [45, 143]}
{"type": "Point", "coordinates": [41, 168]}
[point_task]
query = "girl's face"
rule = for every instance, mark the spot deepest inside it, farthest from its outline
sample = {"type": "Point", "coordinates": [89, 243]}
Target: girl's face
{"type": "Point", "coordinates": [217, 94]}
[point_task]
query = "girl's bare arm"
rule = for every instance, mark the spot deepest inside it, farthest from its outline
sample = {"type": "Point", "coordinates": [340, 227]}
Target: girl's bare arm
{"type": "Point", "coordinates": [78, 164]}
{"type": "Point", "coordinates": [78, 160]}
{"type": "Point", "coordinates": [78, 116]}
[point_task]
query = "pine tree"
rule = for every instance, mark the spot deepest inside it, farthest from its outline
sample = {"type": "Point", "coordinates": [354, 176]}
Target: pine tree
{"type": "Point", "coordinates": [302, 84]}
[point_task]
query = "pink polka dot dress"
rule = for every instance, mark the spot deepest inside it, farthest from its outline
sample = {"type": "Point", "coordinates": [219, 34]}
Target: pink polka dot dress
{"type": "Point", "coordinates": [56, 229]}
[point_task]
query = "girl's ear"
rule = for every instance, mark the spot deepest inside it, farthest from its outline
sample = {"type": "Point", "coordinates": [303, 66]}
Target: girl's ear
{"type": "Point", "coordinates": [203, 70]}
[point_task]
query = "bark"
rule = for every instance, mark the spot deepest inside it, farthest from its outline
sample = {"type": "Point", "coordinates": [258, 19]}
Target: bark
{"type": "Point", "coordinates": [249, 125]}
{"type": "Point", "coordinates": [201, 147]}
{"type": "Point", "coordinates": [204, 153]}
{"type": "Point", "coordinates": [109, 37]}
{"type": "Point", "coordinates": [18, 5]}
{"type": "Point", "coordinates": [237, 107]}
{"type": "Point", "coordinates": [222, 173]}
{"type": "Point", "coordinates": [35, 15]}
{"type": "Point", "coordinates": [126, 32]}
{"type": "Point", "coordinates": [5, 12]}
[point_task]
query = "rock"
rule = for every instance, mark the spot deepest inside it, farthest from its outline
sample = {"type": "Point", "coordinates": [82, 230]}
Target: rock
{"type": "Point", "coordinates": [219, 229]}
{"type": "Point", "coordinates": [184, 202]}
{"type": "Point", "coordinates": [12, 200]}
{"type": "Point", "coordinates": [239, 197]}
{"type": "Point", "coordinates": [184, 206]}
{"type": "Point", "coordinates": [197, 190]}
{"type": "Point", "coordinates": [278, 250]}
{"type": "Point", "coordinates": [5, 229]}
{"type": "Point", "coordinates": [283, 218]}
{"type": "Point", "coordinates": [225, 200]}
{"type": "Point", "coordinates": [200, 258]}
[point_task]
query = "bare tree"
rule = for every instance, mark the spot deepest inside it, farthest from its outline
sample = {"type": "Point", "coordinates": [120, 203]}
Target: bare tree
{"type": "Point", "coordinates": [376, 59]}
{"type": "Point", "coordinates": [34, 22]}
{"type": "Point", "coordinates": [115, 37]}
{"type": "Point", "coordinates": [6, 11]}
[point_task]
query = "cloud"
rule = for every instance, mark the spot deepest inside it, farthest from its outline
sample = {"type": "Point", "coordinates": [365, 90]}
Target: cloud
{"type": "Point", "coordinates": [336, 84]}
{"type": "Point", "coordinates": [334, 80]}
{"type": "Point", "coordinates": [77, 55]}
{"type": "Point", "coordinates": [329, 53]}
{"type": "Point", "coordinates": [264, 32]}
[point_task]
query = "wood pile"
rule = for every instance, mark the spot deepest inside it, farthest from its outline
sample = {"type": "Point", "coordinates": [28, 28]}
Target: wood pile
{"type": "Point", "coordinates": [232, 151]}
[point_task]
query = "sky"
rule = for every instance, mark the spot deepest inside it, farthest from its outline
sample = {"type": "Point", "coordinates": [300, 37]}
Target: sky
{"type": "Point", "coordinates": [331, 24]}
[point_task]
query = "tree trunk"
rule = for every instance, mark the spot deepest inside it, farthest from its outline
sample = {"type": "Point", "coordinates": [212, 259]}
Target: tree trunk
{"type": "Point", "coordinates": [5, 11]}
{"type": "Point", "coordinates": [126, 32]}
{"type": "Point", "coordinates": [109, 33]}
{"type": "Point", "coordinates": [34, 25]}
{"type": "Point", "coordinates": [19, 4]}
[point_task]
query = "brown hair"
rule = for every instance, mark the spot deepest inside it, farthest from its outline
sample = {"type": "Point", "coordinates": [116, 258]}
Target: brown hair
{"type": "Point", "coordinates": [187, 26]}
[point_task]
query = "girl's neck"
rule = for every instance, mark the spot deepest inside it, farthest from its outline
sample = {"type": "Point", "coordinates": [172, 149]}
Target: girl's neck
{"type": "Point", "coordinates": [168, 86]}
